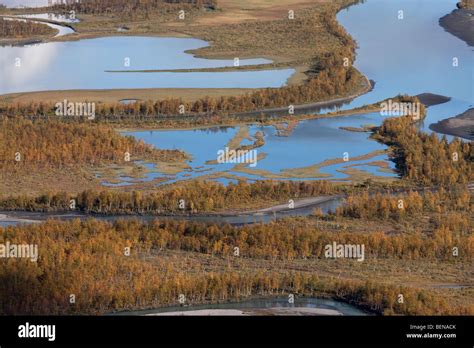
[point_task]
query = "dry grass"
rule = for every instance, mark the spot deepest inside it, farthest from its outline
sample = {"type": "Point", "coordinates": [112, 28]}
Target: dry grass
{"type": "Point", "coordinates": [112, 96]}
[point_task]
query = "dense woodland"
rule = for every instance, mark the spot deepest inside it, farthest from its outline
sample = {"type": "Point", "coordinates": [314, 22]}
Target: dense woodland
{"type": "Point", "coordinates": [425, 159]}
{"type": "Point", "coordinates": [54, 143]}
{"type": "Point", "coordinates": [198, 196]}
{"type": "Point", "coordinates": [397, 207]}
{"type": "Point", "coordinates": [15, 29]}
{"type": "Point", "coordinates": [87, 259]}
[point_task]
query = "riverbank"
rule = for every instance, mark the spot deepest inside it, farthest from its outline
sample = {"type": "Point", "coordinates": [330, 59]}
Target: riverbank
{"type": "Point", "coordinates": [460, 23]}
{"type": "Point", "coordinates": [277, 311]}
{"type": "Point", "coordinates": [56, 30]}
{"type": "Point", "coordinates": [234, 216]}
{"type": "Point", "coordinates": [459, 126]}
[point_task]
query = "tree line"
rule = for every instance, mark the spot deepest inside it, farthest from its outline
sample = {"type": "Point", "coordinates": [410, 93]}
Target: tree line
{"type": "Point", "coordinates": [288, 239]}
{"type": "Point", "coordinates": [13, 29]}
{"type": "Point", "coordinates": [425, 159]}
{"type": "Point", "coordinates": [52, 143]}
{"type": "Point", "coordinates": [396, 207]}
{"type": "Point", "coordinates": [135, 8]}
{"type": "Point", "coordinates": [197, 196]}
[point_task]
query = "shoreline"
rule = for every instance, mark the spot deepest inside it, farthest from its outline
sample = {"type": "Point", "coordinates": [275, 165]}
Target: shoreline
{"type": "Point", "coordinates": [460, 126]}
{"type": "Point", "coordinates": [115, 95]}
{"type": "Point", "coordinates": [56, 26]}
{"type": "Point", "coordinates": [460, 23]}
{"type": "Point", "coordinates": [273, 311]}
{"type": "Point", "coordinates": [210, 51]}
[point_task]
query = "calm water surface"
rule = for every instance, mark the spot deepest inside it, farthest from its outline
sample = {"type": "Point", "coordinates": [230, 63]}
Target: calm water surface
{"type": "Point", "coordinates": [341, 307]}
{"type": "Point", "coordinates": [412, 55]}
{"type": "Point", "coordinates": [83, 65]}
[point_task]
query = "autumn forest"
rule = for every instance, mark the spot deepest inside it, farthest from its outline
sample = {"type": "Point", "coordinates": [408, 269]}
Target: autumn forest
{"type": "Point", "coordinates": [131, 211]}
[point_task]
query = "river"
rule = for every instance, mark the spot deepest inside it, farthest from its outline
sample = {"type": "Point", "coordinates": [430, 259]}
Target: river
{"type": "Point", "coordinates": [412, 55]}
{"type": "Point", "coordinates": [268, 306]}
{"type": "Point", "coordinates": [408, 52]}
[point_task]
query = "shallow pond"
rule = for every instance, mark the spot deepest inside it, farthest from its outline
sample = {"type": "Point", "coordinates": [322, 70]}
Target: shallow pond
{"type": "Point", "coordinates": [310, 143]}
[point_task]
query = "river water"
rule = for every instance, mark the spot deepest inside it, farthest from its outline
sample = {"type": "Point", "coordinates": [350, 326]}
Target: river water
{"type": "Point", "coordinates": [402, 48]}
{"type": "Point", "coordinates": [403, 52]}
{"type": "Point", "coordinates": [21, 218]}
{"type": "Point", "coordinates": [266, 303]}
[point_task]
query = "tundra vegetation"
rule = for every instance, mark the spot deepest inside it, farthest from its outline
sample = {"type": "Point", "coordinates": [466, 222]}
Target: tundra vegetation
{"type": "Point", "coordinates": [417, 231]}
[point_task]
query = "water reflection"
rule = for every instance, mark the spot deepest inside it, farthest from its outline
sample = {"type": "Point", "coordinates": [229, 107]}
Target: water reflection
{"type": "Point", "coordinates": [311, 142]}
{"type": "Point", "coordinates": [19, 64]}
{"type": "Point", "coordinates": [83, 65]}
{"type": "Point", "coordinates": [338, 307]}
{"type": "Point", "coordinates": [412, 56]}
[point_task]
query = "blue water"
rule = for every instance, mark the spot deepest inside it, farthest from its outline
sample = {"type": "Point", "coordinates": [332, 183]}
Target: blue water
{"type": "Point", "coordinates": [341, 307]}
{"type": "Point", "coordinates": [410, 56]}
{"type": "Point", "coordinates": [311, 142]}
{"type": "Point", "coordinates": [83, 65]}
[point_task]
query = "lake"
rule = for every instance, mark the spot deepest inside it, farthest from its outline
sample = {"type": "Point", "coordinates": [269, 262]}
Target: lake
{"type": "Point", "coordinates": [83, 65]}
